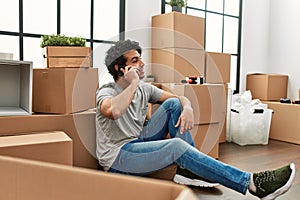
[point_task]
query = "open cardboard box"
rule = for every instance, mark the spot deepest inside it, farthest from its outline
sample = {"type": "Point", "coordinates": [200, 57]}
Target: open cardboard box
{"type": "Point", "coordinates": [35, 180]}
{"type": "Point", "coordinates": [15, 88]}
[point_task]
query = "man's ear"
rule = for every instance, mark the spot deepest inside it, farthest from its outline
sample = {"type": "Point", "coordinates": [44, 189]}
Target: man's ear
{"type": "Point", "coordinates": [116, 67]}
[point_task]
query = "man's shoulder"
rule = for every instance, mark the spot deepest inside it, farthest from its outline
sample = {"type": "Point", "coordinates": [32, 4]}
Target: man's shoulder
{"type": "Point", "coordinates": [108, 85]}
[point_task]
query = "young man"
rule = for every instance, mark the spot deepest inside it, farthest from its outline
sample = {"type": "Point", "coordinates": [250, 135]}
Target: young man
{"type": "Point", "coordinates": [128, 145]}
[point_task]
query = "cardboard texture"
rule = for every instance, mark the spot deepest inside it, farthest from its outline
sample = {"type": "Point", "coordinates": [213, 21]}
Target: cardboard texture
{"type": "Point", "coordinates": [267, 87]}
{"type": "Point", "coordinates": [55, 147]}
{"type": "Point", "coordinates": [285, 122]}
{"type": "Point", "coordinates": [217, 67]}
{"type": "Point", "coordinates": [209, 101]}
{"type": "Point", "coordinates": [206, 138]}
{"type": "Point", "coordinates": [33, 180]}
{"type": "Point", "coordinates": [15, 88]}
{"type": "Point", "coordinates": [80, 127]}
{"type": "Point", "coordinates": [64, 90]}
{"type": "Point", "coordinates": [172, 65]}
{"type": "Point", "coordinates": [175, 29]}
{"type": "Point", "coordinates": [167, 173]}
{"type": "Point", "coordinates": [67, 56]}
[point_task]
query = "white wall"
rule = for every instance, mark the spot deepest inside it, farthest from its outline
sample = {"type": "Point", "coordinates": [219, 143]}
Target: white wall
{"type": "Point", "coordinates": [255, 33]}
{"type": "Point", "coordinates": [138, 24]}
{"type": "Point", "coordinates": [285, 42]}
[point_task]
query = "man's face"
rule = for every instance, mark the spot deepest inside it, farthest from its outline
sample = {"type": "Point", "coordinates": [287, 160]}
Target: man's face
{"type": "Point", "coordinates": [135, 61]}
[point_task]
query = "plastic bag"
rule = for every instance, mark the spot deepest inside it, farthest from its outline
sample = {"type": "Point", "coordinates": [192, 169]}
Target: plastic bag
{"type": "Point", "coordinates": [250, 120]}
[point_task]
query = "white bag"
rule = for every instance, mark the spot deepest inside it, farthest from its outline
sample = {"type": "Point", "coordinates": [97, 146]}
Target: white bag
{"type": "Point", "coordinates": [250, 120]}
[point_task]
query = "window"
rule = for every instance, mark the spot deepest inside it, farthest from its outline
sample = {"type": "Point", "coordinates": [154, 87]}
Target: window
{"type": "Point", "coordinates": [222, 29]}
{"type": "Point", "coordinates": [23, 22]}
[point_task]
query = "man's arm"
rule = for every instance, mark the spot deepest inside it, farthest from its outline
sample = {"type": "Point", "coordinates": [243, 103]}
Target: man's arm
{"type": "Point", "coordinates": [115, 107]}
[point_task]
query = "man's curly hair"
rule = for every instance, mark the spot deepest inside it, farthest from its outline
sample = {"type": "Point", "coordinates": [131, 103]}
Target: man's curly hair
{"type": "Point", "coordinates": [115, 55]}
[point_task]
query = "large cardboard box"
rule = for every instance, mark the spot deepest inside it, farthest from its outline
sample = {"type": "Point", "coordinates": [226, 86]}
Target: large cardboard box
{"type": "Point", "coordinates": [172, 65]}
{"type": "Point", "coordinates": [33, 180]}
{"type": "Point", "coordinates": [209, 101]}
{"type": "Point", "coordinates": [206, 138]}
{"type": "Point", "coordinates": [67, 56]}
{"type": "Point", "coordinates": [80, 127]}
{"type": "Point", "coordinates": [64, 90]}
{"type": "Point", "coordinates": [217, 67]}
{"type": "Point", "coordinates": [267, 87]}
{"type": "Point", "coordinates": [55, 147]}
{"type": "Point", "coordinates": [178, 30]}
{"type": "Point", "coordinates": [15, 88]}
{"type": "Point", "coordinates": [285, 124]}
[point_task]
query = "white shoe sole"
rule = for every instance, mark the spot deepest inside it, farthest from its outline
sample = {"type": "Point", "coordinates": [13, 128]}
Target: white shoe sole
{"type": "Point", "coordinates": [195, 182]}
{"type": "Point", "coordinates": [284, 188]}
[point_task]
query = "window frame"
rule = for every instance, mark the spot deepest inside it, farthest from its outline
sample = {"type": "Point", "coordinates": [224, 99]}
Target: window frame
{"type": "Point", "coordinates": [91, 40]}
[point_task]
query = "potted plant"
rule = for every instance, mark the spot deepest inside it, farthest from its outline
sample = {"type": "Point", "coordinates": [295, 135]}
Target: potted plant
{"type": "Point", "coordinates": [64, 51]}
{"type": "Point", "coordinates": [177, 5]}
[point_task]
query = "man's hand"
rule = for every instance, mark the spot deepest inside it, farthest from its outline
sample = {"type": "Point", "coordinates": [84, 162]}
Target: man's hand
{"type": "Point", "coordinates": [130, 74]}
{"type": "Point", "coordinates": [186, 119]}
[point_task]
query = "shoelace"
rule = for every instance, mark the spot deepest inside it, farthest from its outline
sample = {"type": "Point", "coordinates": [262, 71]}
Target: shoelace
{"type": "Point", "coordinates": [263, 177]}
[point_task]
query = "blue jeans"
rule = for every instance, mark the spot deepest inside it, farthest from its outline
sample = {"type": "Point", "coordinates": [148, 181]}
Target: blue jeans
{"type": "Point", "coordinates": [152, 152]}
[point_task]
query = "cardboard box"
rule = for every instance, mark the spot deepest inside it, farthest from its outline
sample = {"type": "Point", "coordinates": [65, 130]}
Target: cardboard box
{"type": "Point", "coordinates": [217, 67]}
{"type": "Point", "coordinates": [209, 101]}
{"type": "Point", "coordinates": [15, 88]}
{"type": "Point", "coordinates": [206, 138]}
{"type": "Point", "coordinates": [27, 179]}
{"type": "Point", "coordinates": [64, 90]}
{"type": "Point", "coordinates": [285, 122]}
{"type": "Point", "coordinates": [67, 56]}
{"type": "Point", "coordinates": [172, 65]}
{"type": "Point", "coordinates": [80, 127]}
{"type": "Point", "coordinates": [178, 30]}
{"type": "Point", "coordinates": [267, 87]}
{"type": "Point", "coordinates": [55, 147]}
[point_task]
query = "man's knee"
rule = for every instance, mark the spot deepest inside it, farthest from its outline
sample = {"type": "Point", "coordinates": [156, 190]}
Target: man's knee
{"type": "Point", "coordinates": [172, 101]}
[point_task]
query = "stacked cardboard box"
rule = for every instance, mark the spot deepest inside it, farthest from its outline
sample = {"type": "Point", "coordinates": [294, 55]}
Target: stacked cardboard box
{"type": "Point", "coordinates": [209, 105]}
{"type": "Point", "coordinates": [80, 127]}
{"type": "Point", "coordinates": [177, 47]}
{"type": "Point", "coordinates": [54, 146]}
{"type": "Point", "coordinates": [62, 101]}
{"type": "Point", "coordinates": [267, 87]}
{"type": "Point", "coordinates": [285, 118]}
{"type": "Point", "coordinates": [285, 122]}
{"type": "Point", "coordinates": [178, 52]}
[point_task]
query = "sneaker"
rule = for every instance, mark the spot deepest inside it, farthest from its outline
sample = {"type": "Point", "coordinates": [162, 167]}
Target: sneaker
{"type": "Point", "coordinates": [271, 184]}
{"type": "Point", "coordinates": [186, 177]}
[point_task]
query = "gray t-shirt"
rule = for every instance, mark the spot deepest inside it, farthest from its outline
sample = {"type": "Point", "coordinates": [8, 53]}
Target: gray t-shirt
{"type": "Point", "coordinates": [113, 134]}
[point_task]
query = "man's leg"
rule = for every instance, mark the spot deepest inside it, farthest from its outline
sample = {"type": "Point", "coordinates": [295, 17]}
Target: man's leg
{"type": "Point", "coordinates": [163, 122]}
{"type": "Point", "coordinates": [141, 158]}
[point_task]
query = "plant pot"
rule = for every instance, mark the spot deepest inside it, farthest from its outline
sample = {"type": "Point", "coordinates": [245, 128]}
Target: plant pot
{"type": "Point", "coordinates": [176, 9]}
{"type": "Point", "coordinates": [67, 56]}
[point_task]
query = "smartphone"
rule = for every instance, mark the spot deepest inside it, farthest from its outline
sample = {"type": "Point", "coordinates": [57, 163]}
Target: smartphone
{"type": "Point", "coordinates": [120, 73]}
